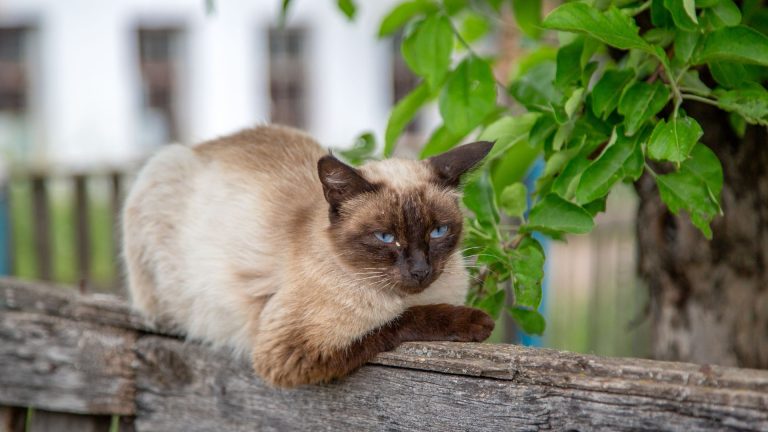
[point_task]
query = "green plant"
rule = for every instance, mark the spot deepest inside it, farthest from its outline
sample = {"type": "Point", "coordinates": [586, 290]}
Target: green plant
{"type": "Point", "coordinates": [603, 107]}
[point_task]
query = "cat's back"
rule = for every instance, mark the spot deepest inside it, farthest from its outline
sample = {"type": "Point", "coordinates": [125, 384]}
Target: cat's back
{"type": "Point", "coordinates": [274, 151]}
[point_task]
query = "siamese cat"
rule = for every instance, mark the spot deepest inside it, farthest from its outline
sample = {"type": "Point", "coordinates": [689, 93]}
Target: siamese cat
{"type": "Point", "coordinates": [264, 243]}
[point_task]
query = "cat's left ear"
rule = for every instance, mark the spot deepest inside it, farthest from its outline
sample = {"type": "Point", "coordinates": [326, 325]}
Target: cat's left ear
{"type": "Point", "coordinates": [451, 165]}
{"type": "Point", "coordinates": [340, 181]}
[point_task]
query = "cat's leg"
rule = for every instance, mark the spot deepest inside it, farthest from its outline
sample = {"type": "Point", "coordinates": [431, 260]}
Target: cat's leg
{"type": "Point", "coordinates": [140, 281]}
{"type": "Point", "coordinates": [294, 358]}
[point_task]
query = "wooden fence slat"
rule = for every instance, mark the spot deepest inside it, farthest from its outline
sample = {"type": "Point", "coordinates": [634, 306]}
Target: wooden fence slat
{"type": "Point", "coordinates": [65, 365]}
{"type": "Point", "coordinates": [116, 203]}
{"type": "Point", "coordinates": [82, 235]}
{"type": "Point", "coordinates": [12, 419]}
{"type": "Point", "coordinates": [41, 227]}
{"type": "Point", "coordinates": [48, 421]}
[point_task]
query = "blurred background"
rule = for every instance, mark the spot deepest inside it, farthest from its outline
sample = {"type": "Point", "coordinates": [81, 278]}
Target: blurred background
{"type": "Point", "coordinates": [89, 89]}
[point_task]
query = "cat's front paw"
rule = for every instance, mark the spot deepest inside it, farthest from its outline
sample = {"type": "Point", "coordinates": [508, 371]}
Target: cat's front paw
{"type": "Point", "coordinates": [444, 322]}
{"type": "Point", "coordinates": [471, 325]}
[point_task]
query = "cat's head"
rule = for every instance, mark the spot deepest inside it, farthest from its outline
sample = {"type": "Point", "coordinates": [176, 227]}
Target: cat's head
{"type": "Point", "coordinates": [396, 223]}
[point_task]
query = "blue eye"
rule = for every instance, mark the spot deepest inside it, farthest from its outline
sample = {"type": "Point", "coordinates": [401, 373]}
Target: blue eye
{"type": "Point", "coordinates": [439, 231]}
{"type": "Point", "coordinates": [385, 237]}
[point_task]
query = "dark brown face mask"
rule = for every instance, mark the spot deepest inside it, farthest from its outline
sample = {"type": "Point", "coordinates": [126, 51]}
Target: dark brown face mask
{"type": "Point", "coordinates": [399, 240]}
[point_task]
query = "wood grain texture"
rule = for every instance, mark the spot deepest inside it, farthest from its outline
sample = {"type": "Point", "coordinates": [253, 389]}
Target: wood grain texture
{"type": "Point", "coordinates": [65, 302]}
{"type": "Point", "coordinates": [64, 365]}
{"type": "Point", "coordinates": [492, 393]}
{"type": "Point", "coordinates": [90, 354]}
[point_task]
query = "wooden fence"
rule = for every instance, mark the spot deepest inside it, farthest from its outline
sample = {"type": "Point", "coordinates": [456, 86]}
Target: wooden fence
{"type": "Point", "coordinates": [41, 203]}
{"type": "Point", "coordinates": [79, 360]}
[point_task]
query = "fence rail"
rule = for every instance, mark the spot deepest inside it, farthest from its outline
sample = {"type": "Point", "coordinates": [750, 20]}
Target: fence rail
{"type": "Point", "coordinates": [79, 359]}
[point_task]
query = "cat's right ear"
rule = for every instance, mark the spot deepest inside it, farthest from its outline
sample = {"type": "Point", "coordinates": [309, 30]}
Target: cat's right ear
{"type": "Point", "coordinates": [340, 181]}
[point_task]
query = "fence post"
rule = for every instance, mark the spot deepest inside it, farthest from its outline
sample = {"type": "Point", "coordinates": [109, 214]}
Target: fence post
{"type": "Point", "coordinates": [41, 223]}
{"type": "Point", "coordinates": [116, 202]}
{"type": "Point", "coordinates": [82, 237]}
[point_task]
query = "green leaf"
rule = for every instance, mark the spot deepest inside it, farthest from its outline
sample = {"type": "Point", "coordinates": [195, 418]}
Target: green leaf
{"type": "Point", "coordinates": [427, 48]}
{"type": "Point", "coordinates": [513, 165]}
{"type": "Point", "coordinates": [347, 7]}
{"type": "Point", "coordinates": [480, 199]}
{"type": "Point", "coordinates": [574, 102]}
{"type": "Point", "coordinates": [555, 215]}
{"type": "Point", "coordinates": [660, 16]}
{"type": "Point", "coordinates": [569, 63]}
{"type": "Point", "coordinates": [362, 150]}
{"type": "Point", "coordinates": [492, 303]}
{"type": "Point", "coordinates": [565, 183]}
{"type": "Point", "coordinates": [691, 83]}
{"type": "Point", "coordinates": [724, 14]}
{"type": "Point", "coordinates": [528, 17]}
{"type": "Point", "coordinates": [738, 44]}
{"type": "Point", "coordinates": [683, 13]}
{"type": "Point", "coordinates": [514, 199]}
{"type": "Point", "coordinates": [440, 141]}
{"type": "Point", "coordinates": [474, 27]}
{"type": "Point", "coordinates": [542, 131]}
{"type": "Point", "coordinates": [685, 43]}
{"type": "Point", "coordinates": [529, 320]}
{"type": "Point", "coordinates": [604, 172]}
{"type": "Point", "coordinates": [286, 4]}
{"type": "Point", "coordinates": [751, 102]}
{"type": "Point", "coordinates": [640, 102]}
{"type": "Point", "coordinates": [695, 188]}
{"type": "Point", "coordinates": [468, 96]}
{"type": "Point", "coordinates": [535, 89]}
{"type": "Point", "coordinates": [673, 141]}
{"type": "Point", "coordinates": [611, 27]}
{"type": "Point", "coordinates": [527, 264]}
{"type": "Point", "coordinates": [403, 13]}
{"type": "Point", "coordinates": [402, 114]}
{"type": "Point", "coordinates": [596, 206]}
{"type": "Point", "coordinates": [607, 91]}
{"type": "Point", "coordinates": [507, 132]}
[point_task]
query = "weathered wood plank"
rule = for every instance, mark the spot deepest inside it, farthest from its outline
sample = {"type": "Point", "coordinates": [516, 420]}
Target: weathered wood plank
{"type": "Point", "coordinates": [90, 354]}
{"type": "Point", "coordinates": [64, 365]}
{"type": "Point", "coordinates": [680, 382]}
{"type": "Point", "coordinates": [184, 387]}
{"type": "Point", "coordinates": [48, 421]}
{"type": "Point", "coordinates": [65, 302]}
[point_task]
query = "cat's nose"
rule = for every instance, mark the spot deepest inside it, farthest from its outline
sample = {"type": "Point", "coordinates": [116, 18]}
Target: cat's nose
{"type": "Point", "coordinates": [420, 274]}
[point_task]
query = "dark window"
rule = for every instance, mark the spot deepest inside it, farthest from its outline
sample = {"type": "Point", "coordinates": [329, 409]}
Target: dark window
{"type": "Point", "coordinates": [403, 80]}
{"type": "Point", "coordinates": [287, 84]}
{"type": "Point", "coordinates": [14, 80]}
{"type": "Point", "coordinates": [158, 62]}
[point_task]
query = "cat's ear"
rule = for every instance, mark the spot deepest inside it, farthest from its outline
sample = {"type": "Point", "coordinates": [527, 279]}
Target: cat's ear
{"type": "Point", "coordinates": [340, 181]}
{"type": "Point", "coordinates": [451, 165]}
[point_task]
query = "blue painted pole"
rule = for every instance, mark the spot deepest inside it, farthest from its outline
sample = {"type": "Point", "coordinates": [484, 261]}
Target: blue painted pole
{"type": "Point", "coordinates": [530, 182]}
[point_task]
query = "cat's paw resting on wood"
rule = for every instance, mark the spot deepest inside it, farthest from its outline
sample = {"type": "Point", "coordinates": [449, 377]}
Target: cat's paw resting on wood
{"type": "Point", "coordinates": [264, 243]}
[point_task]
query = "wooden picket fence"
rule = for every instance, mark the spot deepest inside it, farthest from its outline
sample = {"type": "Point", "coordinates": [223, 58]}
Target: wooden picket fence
{"type": "Point", "coordinates": [39, 194]}
{"type": "Point", "coordinates": [81, 360]}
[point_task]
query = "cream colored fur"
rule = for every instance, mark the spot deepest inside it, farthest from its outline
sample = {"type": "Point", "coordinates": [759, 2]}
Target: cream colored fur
{"type": "Point", "coordinates": [210, 244]}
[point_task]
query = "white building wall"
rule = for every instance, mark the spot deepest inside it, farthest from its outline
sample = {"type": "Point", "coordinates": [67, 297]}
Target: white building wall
{"type": "Point", "coordinates": [88, 85]}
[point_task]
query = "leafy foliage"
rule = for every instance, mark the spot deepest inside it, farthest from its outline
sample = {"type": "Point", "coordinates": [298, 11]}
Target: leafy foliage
{"type": "Point", "coordinates": [604, 107]}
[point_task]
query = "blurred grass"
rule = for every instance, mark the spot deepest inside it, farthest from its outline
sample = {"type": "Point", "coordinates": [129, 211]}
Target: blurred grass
{"type": "Point", "coordinates": [62, 230]}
